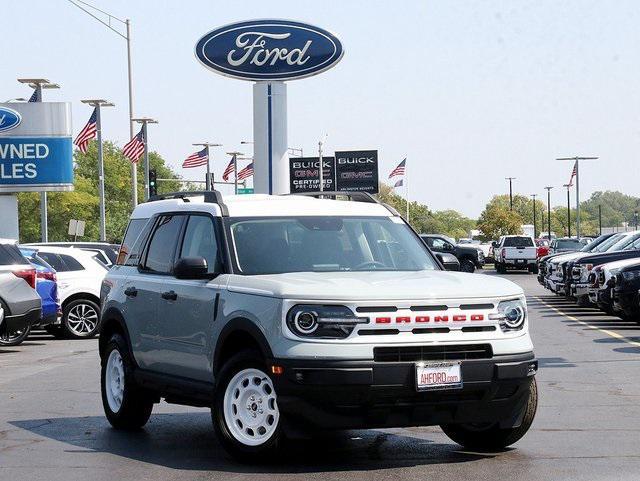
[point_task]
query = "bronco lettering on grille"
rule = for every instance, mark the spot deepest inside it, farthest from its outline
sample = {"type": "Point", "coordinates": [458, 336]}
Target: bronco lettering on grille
{"type": "Point", "coordinates": [426, 319]}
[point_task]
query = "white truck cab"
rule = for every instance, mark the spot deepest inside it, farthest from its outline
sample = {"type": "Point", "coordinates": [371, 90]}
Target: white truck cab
{"type": "Point", "coordinates": [515, 252]}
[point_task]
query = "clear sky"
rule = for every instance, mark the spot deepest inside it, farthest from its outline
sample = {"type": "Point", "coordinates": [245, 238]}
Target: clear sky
{"type": "Point", "coordinates": [469, 91]}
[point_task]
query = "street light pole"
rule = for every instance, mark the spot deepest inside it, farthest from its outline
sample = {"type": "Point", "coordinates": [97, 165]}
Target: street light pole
{"type": "Point", "coordinates": [534, 215]}
{"type": "Point", "coordinates": [209, 185]}
{"type": "Point", "coordinates": [145, 121]}
{"type": "Point", "coordinates": [83, 5]}
{"type": "Point", "coordinates": [98, 103]}
{"type": "Point", "coordinates": [510, 179]}
{"type": "Point", "coordinates": [577, 160]}
{"type": "Point", "coordinates": [38, 84]}
{"type": "Point", "coordinates": [549, 211]}
{"type": "Point", "coordinates": [568, 186]}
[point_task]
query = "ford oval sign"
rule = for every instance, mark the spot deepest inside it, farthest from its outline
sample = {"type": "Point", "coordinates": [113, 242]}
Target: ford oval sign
{"type": "Point", "coordinates": [269, 50]}
{"type": "Point", "coordinates": [9, 119]}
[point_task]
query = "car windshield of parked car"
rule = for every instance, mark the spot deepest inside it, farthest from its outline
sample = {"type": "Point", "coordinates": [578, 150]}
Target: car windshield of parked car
{"type": "Point", "coordinates": [518, 242]}
{"type": "Point", "coordinates": [326, 244]}
{"type": "Point", "coordinates": [622, 243]}
{"type": "Point", "coordinates": [605, 245]}
{"type": "Point", "coordinates": [572, 244]}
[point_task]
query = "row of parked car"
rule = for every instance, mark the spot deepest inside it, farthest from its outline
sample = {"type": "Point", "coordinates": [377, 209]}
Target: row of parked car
{"type": "Point", "coordinates": [604, 273]}
{"type": "Point", "coordinates": [52, 286]}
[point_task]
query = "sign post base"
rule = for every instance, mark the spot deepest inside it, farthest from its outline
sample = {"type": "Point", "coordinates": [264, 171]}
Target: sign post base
{"type": "Point", "coordinates": [9, 228]}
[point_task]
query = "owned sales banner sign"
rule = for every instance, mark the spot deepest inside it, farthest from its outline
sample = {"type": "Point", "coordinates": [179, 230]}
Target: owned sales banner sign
{"type": "Point", "coordinates": [357, 170]}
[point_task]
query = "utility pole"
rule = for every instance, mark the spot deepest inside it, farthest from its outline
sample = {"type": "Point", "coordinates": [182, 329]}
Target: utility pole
{"type": "Point", "coordinates": [145, 121]}
{"type": "Point", "coordinates": [208, 145]}
{"type": "Point", "coordinates": [235, 155]}
{"type": "Point", "coordinates": [534, 215]}
{"type": "Point", "coordinates": [38, 84]}
{"type": "Point", "coordinates": [549, 211]}
{"type": "Point", "coordinates": [97, 104]}
{"type": "Point", "coordinates": [600, 218]}
{"type": "Point", "coordinates": [568, 186]}
{"type": "Point", "coordinates": [510, 179]}
{"type": "Point", "coordinates": [95, 11]}
{"type": "Point", "coordinates": [577, 160]}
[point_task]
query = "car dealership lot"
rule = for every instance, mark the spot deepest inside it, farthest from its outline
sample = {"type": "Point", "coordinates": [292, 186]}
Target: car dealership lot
{"type": "Point", "coordinates": [587, 427]}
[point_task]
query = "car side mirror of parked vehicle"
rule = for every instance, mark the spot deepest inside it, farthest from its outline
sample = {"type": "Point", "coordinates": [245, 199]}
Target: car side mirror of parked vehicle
{"type": "Point", "coordinates": [494, 244]}
{"type": "Point", "coordinates": [449, 261]}
{"type": "Point", "coordinates": [191, 268]}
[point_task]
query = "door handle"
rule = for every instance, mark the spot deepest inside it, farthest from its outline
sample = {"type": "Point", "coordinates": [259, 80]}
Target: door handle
{"type": "Point", "coordinates": [131, 292]}
{"type": "Point", "coordinates": [170, 295]}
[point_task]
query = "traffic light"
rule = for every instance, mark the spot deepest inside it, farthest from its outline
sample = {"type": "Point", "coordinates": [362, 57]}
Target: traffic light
{"type": "Point", "coordinates": [153, 186]}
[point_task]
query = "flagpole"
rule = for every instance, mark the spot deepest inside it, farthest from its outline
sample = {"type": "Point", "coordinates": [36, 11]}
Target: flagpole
{"type": "Point", "coordinates": [208, 184]}
{"type": "Point", "coordinates": [144, 121]}
{"type": "Point", "coordinates": [577, 160]}
{"type": "Point", "coordinates": [235, 173]}
{"type": "Point", "coordinates": [406, 180]}
{"type": "Point", "coordinates": [97, 103]}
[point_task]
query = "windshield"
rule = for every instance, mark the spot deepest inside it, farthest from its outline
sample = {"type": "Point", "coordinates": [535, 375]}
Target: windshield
{"type": "Point", "coordinates": [326, 244]}
{"type": "Point", "coordinates": [621, 243]}
{"type": "Point", "coordinates": [614, 239]}
{"type": "Point", "coordinates": [568, 244]}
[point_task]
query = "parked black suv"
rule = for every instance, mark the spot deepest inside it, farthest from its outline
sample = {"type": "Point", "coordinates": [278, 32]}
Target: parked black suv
{"type": "Point", "coordinates": [625, 292]}
{"type": "Point", "coordinates": [470, 258]}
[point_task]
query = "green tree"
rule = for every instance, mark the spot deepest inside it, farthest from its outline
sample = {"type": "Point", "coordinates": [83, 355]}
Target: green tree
{"type": "Point", "coordinates": [496, 220]}
{"type": "Point", "coordinates": [616, 208]}
{"type": "Point", "coordinates": [83, 202]}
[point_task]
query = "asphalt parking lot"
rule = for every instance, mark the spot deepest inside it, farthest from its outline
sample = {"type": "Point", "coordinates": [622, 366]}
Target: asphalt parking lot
{"type": "Point", "coordinates": [587, 427]}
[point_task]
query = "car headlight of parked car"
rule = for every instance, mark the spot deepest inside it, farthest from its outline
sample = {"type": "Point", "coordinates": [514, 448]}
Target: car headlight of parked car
{"type": "Point", "coordinates": [322, 321]}
{"type": "Point", "coordinates": [511, 314]}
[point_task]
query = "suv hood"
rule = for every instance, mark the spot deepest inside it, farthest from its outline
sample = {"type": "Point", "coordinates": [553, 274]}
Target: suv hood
{"type": "Point", "coordinates": [375, 285]}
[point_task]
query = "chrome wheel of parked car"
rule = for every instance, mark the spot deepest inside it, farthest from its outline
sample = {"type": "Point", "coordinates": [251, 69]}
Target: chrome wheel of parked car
{"type": "Point", "coordinates": [13, 338]}
{"type": "Point", "coordinates": [81, 318]}
{"type": "Point", "coordinates": [114, 381]}
{"type": "Point", "coordinates": [250, 407]}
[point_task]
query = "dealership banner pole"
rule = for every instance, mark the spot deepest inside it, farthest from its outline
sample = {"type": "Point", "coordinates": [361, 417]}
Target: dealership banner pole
{"type": "Point", "coordinates": [103, 216]}
{"type": "Point", "coordinates": [145, 121]}
{"type": "Point", "coordinates": [208, 145]}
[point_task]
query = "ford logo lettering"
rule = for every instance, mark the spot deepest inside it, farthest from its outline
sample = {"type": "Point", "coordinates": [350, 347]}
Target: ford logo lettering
{"type": "Point", "coordinates": [269, 50]}
{"type": "Point", "coordinates": [9, 119]}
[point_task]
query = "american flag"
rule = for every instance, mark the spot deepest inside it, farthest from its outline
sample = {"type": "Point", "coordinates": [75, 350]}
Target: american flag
{"type": "Point", "coordinates": [35, 96]}
{"type": "Point", "coordinates": [135, 147]}
{"type": "Point", "coordinates": [400, 169]}
{"type": "Point", "coordinates": [246, 172]}
{"type": "Point", "coordinates": [196, 159]}
{"type": "Point", "coordinates": [398, 184]}
{"type": "Point", "coordinates": [230, 169]}
{"type": "Point", "coordinates": [574, 172]}
{"type": "Point", "coordinates": [88, 133]}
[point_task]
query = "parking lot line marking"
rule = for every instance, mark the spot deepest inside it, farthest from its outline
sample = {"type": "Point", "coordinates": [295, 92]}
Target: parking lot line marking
{"type": "Point", "coordinates": [613, 334]}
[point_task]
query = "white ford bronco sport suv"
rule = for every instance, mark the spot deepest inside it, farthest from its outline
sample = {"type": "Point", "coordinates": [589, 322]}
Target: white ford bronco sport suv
{"type": "Point", "coordinates": [286, 314]}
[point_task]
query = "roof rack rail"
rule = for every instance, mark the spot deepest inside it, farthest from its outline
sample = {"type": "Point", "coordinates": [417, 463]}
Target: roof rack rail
{"type": "Point", "coordinates": [351, 195]}
{"type": "Point", "coordinates": [210, 197]}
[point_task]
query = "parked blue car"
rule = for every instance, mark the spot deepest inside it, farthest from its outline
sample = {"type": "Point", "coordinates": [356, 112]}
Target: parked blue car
{"type": "Point", "coordinates": [46, 287]}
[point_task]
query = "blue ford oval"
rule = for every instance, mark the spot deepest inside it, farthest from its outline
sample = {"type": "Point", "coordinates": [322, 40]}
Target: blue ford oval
{"type": "Point", "coordinates": [9, 119]}
{"type": "Point", "coordinates": [269, 50]}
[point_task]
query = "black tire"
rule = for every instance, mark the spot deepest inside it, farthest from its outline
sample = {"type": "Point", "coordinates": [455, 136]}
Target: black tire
{"type": "Point", "coordinates": [270, 449]}
{"type": "Point", "coordinates": [55, 330]}
{"type": "Point", "coordinates": [13, 338]}
{"type": "Point", "coordinates": [493, 437]}
{"type": "Point", "coordinates": [467, 265]}
{"type": "Point", "coordinates": [137, 404]}
{"type": "Point", "coordinates": [501, 268]}
{"type": "Point", "coordinates": [533, 269]}
{"type": "Point", "coordinates": [68, 323]}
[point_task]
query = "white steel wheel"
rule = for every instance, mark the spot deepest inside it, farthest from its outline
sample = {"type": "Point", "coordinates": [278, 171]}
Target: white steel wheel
{"type": "Point", "coordinates": [250, 408]}
{"type": "Point", "coordinates": [82, 320]}
{"type": "Point", "coordinates": [114, 381]}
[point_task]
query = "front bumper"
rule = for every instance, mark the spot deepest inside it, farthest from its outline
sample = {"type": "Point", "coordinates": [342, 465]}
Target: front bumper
{"type": "Point", "coordinates": [368, 394]}
{"type": "Point", "coordinates": [579, 289]}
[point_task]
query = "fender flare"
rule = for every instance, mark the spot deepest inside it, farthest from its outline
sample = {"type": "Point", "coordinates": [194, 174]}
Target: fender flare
{"type": "Point", "coordinates": [241, 324]}
{"type": "Point", "coordinates": [108, 317]}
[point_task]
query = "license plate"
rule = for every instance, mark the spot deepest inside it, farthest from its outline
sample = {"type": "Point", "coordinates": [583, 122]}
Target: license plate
{"type": "Point", "coordinates": [437, 376]}
{"type": "Point", "coordinates": [520, 261]}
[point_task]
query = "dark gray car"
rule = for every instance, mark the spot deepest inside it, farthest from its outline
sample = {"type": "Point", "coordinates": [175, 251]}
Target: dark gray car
{"type": "Point", "coordinates": [20, 304]}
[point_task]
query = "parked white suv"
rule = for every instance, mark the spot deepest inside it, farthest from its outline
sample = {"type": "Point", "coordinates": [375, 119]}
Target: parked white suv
{"type": "Point", "coordinates": [288, 314]}
{"type": "Point", "coordinates": [80, 276]}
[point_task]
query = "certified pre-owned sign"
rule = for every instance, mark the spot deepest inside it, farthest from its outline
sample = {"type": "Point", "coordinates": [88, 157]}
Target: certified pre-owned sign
{"type": "Point", "coordinates": [269, 50]}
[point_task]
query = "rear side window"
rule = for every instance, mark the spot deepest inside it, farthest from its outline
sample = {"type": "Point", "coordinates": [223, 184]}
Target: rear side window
{"type": "Point", "coordinates": [134, 229]}
{"type": "Point", "coordinates": [163, 243]}
{"type": "Point", "coordinates": [71, 263]}
{"type": "Point", "coordinates": [200, 241]}
{"type": "Point", "coordinates": [54, 261]}
{"type": "Point", "coordinates": [518, 242]}
{"type": "Point", "coordinates": [10, 254]}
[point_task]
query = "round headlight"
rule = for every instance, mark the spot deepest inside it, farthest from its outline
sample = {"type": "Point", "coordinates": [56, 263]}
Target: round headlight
{"type": "Point", "coordinates": [306, 321]}
{"type": "Point", "coordinates": [514, 316]}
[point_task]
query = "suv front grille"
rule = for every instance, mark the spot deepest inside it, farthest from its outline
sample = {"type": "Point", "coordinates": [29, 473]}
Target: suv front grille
{"type": "Point", "coordinates": [432, 353]}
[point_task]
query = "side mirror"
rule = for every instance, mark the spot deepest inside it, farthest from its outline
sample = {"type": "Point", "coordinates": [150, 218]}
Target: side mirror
{"type": "Point", "coordinates": [447, 247]}
{"type": "Point", "coordinates": [494, 244]}
{"type": "Point", "coordinates": [449, 261]}
{"type": "Point", "coordinates": [191, 268]}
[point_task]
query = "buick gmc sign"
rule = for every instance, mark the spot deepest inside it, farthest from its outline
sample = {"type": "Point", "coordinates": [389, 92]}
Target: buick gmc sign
{"type": "Point", "coordinates": [269, 50]}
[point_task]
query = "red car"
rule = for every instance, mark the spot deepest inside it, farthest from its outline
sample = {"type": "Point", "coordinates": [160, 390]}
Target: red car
{"type": "Point", "coordinates": [542, 247]}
